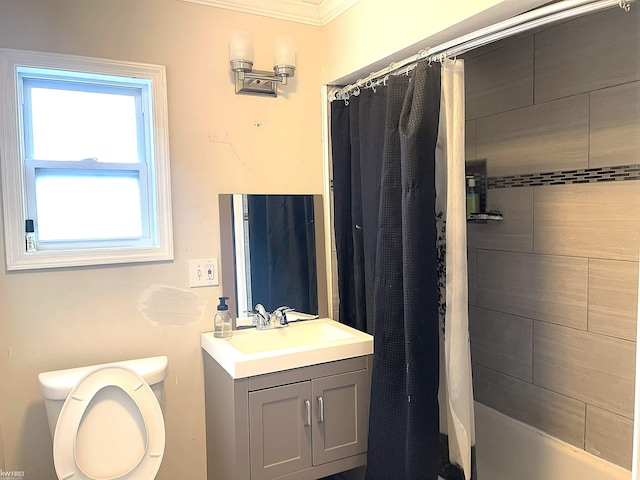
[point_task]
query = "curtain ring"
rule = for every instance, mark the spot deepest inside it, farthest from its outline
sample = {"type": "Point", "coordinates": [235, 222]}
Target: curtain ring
{"type": "Point", "coordinates": [624, 5]}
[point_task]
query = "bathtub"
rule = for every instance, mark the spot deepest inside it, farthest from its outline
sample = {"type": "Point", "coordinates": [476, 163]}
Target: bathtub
{"type": "Point", "coordinates": [507, 449]}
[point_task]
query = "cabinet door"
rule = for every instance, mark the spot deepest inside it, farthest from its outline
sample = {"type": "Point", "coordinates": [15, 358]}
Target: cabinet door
{"type": "Point", "coordinates": [280, 430]}
{"type": "Point", "coordinates": [340, 416]}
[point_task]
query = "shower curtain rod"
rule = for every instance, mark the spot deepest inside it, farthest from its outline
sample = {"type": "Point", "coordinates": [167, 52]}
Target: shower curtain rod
{"type": "Point", "coordinates": [526, 21]}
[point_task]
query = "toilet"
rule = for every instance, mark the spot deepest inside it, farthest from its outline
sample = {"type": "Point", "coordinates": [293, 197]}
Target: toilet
{"type": "Point", "coordinates": [106, 420]}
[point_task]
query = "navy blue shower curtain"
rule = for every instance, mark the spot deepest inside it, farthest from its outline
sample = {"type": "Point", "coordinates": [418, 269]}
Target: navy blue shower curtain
{"type": "Point", "coordinates": [283, 251]}
{"type": "Point", "coordinates": [383, 147]}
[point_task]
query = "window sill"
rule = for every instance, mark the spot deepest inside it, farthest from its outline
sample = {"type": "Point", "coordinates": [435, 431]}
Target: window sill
{"type": "Point", "coordinates": [45, 259]}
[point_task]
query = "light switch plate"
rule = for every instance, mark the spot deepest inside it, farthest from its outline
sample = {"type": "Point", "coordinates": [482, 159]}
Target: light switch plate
{"type": "Point", "coordinates": [203, 272]}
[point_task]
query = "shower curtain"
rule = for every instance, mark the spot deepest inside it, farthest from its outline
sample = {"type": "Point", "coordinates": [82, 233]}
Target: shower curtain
{"type": "Point", "coordinates": [384, 168]}
{"type": "Point", "coordinates": [456, 391]}
{"type": "Point", "coordinates": [282, 240]}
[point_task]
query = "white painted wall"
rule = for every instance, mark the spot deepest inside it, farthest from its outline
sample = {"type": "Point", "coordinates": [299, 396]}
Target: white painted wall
{"type": "Point", "coordinates": [57, 319]}
{"type": "Point", "coordinates": [1, 449]}
{"type": "Point", "coordinates": [373, 33]}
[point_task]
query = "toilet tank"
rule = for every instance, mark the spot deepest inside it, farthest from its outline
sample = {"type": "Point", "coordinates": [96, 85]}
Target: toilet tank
{"type": "Point", "coordinates": [55, 386]}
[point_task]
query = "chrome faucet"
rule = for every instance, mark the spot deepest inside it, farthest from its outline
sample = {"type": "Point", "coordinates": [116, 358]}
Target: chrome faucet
{"type": "Point", "coordinates": [264, 320]}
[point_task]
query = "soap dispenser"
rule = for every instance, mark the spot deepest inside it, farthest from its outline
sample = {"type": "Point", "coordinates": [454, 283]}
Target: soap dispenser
{"type": "Point", "coordinates": [222, 326]}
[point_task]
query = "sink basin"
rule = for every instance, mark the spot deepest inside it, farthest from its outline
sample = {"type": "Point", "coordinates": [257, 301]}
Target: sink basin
{"type": "Point", "coordinates": [294, 336]}
{"type": "Point", "coordinates": [256, 352]}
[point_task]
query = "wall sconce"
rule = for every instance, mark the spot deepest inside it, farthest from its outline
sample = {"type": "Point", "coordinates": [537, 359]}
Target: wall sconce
{"type": "Point", "coordinates": [260, 82]}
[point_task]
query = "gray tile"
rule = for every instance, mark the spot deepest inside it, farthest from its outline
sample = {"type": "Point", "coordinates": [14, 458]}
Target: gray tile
{"type": "Point", "coordinates": [589, 220]}
{"type": "Point", "coordinates": [556, 414]}
{"type": "Point", "coordinates": [470, 140]}
{"type": "Point", "coordinates": [593, 368]}
{"type": "Point", "coordinates": [613, 298]}
{"type": "Point", "coordinates": [609, 436]}
{"type": "Point", "coordinates": [515, 232]}
{"type": "Point", "coordinates": [588, 53]}
{"type": "Point", "coordinates": [549, 288]}
{"type": "Point", "coordinates": [614, 134]}
{"type": "Point", "coordinates": [550, 137]}
{"type": "Point", "coordinates": [500, 80]}
{"type": "Point", "coordinates": [471, 275]}
{"type": "Point", "coordinates": [502, 342]}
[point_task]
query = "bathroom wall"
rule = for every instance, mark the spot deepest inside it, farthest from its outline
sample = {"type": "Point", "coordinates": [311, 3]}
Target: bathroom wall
{"type": "Point", "coordinates": [3, 376]}
{"type": "Point", "coordinates": [1, 451]}
{"type": "Point", "coordinates": [219, 142]}
{"type": "Point", "coordinates": [553, 287]}
{"type": "Point", "coordinates": [370, 35]}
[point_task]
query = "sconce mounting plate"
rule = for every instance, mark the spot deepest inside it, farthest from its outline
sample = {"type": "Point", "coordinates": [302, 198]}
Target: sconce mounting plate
{"type": "Point", "coordinates": [257, 86]}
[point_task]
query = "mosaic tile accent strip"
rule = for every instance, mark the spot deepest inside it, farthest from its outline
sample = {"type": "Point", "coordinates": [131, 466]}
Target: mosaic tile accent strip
{"type": "Point", "coordinates": [587, 175]}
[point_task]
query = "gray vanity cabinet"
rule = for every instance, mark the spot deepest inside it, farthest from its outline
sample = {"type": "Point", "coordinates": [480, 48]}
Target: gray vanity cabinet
{"type": "Point", "coordinates": [280, 430]}
{"type": "Point", "coordinates": [340, 420]}
{"type": "Point", "coordinates": [294, 427]}
{"type": "Point", "coordinates": [303, 424]}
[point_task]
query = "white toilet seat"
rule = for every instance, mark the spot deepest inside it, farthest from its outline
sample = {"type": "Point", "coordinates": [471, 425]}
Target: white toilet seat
{"type": "Point", "coordinates": [73, 410]}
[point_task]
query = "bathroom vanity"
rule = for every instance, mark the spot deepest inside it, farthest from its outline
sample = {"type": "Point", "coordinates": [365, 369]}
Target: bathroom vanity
{"type": "Point", "coordinates": [306, 420]}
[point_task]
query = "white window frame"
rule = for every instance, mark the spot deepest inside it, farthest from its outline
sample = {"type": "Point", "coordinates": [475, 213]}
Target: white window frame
{"type": "Point", "coordinates": [16, 171]}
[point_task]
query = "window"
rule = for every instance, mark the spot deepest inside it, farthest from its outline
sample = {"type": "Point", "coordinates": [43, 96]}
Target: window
{"type": "Point", "coordinates": [85, 157]}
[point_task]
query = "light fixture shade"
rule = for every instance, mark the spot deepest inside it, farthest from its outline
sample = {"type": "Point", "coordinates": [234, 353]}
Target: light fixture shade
{"type": "Point", "coordinates": [241, 45]}
{"type": "Point", "coordinates": [283, 52]}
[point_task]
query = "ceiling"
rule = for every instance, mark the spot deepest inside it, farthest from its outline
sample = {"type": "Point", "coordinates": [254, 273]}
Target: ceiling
{"type": "Point", "coordinates": [310, 12]}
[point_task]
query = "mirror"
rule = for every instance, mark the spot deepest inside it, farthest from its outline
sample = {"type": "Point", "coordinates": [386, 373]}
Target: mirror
{"type": "Point", "coordinates": [273, 252]}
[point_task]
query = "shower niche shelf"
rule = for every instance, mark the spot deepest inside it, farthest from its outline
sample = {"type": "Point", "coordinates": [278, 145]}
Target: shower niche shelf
{"type": "Point", "coordinates": [478, 170]}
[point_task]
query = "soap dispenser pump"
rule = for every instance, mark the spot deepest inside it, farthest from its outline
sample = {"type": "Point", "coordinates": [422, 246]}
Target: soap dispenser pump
{"type": "Point", "coordinates": [222, 326]}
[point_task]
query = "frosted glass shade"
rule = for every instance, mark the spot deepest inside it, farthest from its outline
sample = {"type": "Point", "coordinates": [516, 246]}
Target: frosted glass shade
{"type": "Point", "coordinates": [241, 45]}
{"type": "Point", "coordinates": [283, 52]}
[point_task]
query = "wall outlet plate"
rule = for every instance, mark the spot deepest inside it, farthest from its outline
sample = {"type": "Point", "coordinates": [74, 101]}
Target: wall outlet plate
{"type": "Point", "coordinates": [203, 272]}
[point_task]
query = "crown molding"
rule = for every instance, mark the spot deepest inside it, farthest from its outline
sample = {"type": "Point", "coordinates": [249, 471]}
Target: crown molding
{"type": "Point", "coordinates": [310, 12]}
{"type": "Point", "coordinates": [331, 9]}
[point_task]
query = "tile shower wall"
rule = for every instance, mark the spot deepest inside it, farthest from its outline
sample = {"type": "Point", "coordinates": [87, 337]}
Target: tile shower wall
{"type": "Point", "coordinates": [553, 287]}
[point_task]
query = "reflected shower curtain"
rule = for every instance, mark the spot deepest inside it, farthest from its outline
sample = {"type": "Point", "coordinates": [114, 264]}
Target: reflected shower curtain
{"type": "Point", "coordinates": [384, 168]}
{"type": "Point", "coordinates": [283, 252]}
{"type": "Point", "coordinates": [456, 391]}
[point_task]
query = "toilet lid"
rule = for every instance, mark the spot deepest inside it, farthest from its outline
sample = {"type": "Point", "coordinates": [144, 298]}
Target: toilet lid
{"type": "Point", "coordinates": [126, 383]}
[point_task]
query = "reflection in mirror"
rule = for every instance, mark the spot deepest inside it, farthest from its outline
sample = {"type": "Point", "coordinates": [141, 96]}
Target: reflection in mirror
{"type": "Point", "coordinates": [273, 252]}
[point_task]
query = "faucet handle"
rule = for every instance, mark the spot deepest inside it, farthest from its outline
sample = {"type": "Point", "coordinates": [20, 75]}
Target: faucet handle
{"type": "Point", "coordinates": [263, 319]}
{"type": "Point", "coordinates": [281, 315]}
{"type": "Point", "coordinates": [283, 309]}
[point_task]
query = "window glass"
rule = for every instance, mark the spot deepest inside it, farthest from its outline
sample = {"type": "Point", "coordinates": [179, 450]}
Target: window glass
{"type": "Point", "coordinates": [68, 124]}
{"type": "Point", "coordinates": [85, 206]}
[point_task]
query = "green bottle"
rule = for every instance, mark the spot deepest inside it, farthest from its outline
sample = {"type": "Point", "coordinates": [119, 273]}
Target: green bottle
{"type": "Point", "coordinates": [473, 198]}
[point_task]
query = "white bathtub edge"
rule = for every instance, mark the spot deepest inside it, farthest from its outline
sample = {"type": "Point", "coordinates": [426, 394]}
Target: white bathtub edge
{"type": "Point", "coordinates": [508, 449]}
